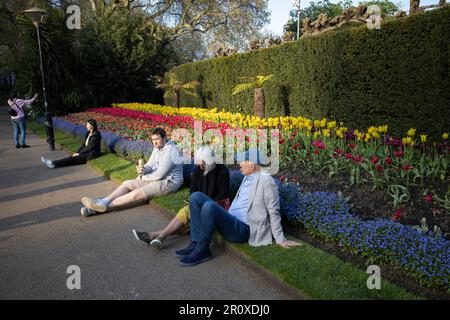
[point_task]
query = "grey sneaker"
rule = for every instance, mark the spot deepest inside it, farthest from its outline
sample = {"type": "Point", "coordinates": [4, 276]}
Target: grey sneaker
{"type": "Point", "coordinates": [86, 212]}
{"type": "Point", "coordinates": [94, 204]}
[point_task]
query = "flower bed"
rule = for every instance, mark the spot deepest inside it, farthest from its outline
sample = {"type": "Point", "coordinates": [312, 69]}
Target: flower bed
{"type": "Point", "coordinates": [403, 168]}
{"type": "Point", "coordinates": [328, 215]}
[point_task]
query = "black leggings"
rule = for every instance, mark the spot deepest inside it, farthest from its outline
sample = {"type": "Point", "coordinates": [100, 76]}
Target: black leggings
{"type": "Point", "coordinates": [70, 161]}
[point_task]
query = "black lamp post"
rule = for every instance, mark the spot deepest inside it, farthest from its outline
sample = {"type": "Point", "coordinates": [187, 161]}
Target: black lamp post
{"type": "Point", "coordinates": [36, 16]}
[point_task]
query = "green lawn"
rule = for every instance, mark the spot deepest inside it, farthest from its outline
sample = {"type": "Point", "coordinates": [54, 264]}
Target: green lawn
{"type": "Point", "coordinates": [317, 274]}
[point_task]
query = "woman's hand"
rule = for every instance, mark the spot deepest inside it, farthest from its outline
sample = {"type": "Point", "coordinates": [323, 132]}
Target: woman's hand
{"type": "Point", "coordinates": [290, 243]}
{"type": "Point", "coordinates": [75, 154]}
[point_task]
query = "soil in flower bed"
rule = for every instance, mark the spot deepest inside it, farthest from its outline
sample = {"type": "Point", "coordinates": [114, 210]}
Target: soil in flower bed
{"type": "Point", "coordinates": [390, 273]}
{"type": "Point", "coordinates": [369, 204]}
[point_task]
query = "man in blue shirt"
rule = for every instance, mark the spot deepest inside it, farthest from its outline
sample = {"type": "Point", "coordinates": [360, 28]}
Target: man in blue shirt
{"type": "Point", "coordinates": [254, 215]}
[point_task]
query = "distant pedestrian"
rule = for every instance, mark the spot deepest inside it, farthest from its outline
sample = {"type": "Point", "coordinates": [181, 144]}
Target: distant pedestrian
{"type": "Point", "coordinates": [19, 120]}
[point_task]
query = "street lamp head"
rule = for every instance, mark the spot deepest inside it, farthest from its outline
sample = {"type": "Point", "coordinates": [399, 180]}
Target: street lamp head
{"type": "Point", "coordinates": [36, 15]}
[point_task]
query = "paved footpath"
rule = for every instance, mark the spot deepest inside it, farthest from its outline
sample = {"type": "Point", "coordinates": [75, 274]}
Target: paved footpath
{"type": "Point", "coordinates": [42, 233]}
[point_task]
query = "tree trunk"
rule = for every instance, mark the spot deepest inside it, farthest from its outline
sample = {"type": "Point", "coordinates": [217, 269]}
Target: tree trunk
{"type": "Point", "coordinates": [259, 103]}
{"type": "Point", "coordinates": [177, 98]}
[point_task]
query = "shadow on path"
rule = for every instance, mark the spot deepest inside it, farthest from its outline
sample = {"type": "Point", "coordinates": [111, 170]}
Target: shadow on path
{"type": "Point", "coordinates": [59, 187]}
{"type": "Point", "coordinates": [40, 216]}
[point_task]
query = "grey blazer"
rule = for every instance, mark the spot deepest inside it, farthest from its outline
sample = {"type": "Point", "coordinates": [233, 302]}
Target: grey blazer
{"type": "Point", "coordinates": [264, 211]}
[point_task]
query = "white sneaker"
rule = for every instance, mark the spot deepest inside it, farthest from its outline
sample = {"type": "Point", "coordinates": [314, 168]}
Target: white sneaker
{"type": "Point", "coordinates": [49, 164]}
{"type": "Point", "coordinates": [94, 204]}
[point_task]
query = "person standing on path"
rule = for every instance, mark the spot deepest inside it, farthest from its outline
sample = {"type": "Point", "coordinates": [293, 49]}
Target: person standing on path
{"type": "Point", "coordinates": [19, 120]}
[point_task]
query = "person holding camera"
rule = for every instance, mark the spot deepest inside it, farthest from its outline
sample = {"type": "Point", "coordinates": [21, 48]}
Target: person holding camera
{"type": "Point", "coordinates": [18, 117]}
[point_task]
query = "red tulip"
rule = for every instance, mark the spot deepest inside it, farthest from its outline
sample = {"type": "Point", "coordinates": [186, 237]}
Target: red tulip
{"type": "Point", "coordinates": [428, 198]}
{"type": "Point", "coordinates": [374, 159]}
{"type": "Point", "coordinates": [397, 215]}
{"type": "Point", "coordinates": [319, 144]}
{"type": "Point", "coordinates": [388, 161]}
{"type": "Point", "coordinates": [398, 154]}
{"type": "Point", "coordinates": [407, 167]}
{"type": "Point", "coordinates": [358, 159]}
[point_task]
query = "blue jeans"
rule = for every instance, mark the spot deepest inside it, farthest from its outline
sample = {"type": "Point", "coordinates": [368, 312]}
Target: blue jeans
{"type": "Point", "coordinates": [19, 125]}
{"type": "Point", "coordinates": [207, 216]}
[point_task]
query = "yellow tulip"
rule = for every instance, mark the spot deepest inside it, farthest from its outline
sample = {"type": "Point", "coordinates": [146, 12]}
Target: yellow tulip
{"type": "Point", "coordinates": [411, 132]}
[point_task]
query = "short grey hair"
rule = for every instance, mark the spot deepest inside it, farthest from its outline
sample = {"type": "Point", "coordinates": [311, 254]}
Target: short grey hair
{"type": "Point", "coordinates": [205, 153]}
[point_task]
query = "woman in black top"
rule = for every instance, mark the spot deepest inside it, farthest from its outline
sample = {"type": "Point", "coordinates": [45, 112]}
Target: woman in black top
{"type": "Point", "coordinates": [208, 177]}
{"type": "Point", "coordinates": [88, 150]}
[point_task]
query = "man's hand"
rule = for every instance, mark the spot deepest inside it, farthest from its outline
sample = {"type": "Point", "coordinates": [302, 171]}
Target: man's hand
{"type": "Point", "coordinates": [290, 243]}
{"type": "Point", "coordinates": [139, 170]}
{"type": "Point", "coordinates": [75, 154]}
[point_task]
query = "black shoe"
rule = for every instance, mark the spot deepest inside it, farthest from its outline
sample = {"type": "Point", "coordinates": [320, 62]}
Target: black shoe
{"type": "Point", "coordinates": [17, 146]}
{"type": "Point", "coordinates": [25, 146]}
{"type": "Point", "coordinates": [142, 236]}
{"type": "Point", "coordinates": [186, 251]}
{"type": "Point", "coordinates": [196, 258]}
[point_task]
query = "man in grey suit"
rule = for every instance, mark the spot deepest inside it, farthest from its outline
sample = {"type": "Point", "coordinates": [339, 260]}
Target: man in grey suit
{"type": "Point", "coordinates": [254, 215]}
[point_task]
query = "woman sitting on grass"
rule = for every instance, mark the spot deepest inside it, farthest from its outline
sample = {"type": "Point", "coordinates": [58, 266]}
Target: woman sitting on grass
{"type": "Point", "coordinates": [88, 150]}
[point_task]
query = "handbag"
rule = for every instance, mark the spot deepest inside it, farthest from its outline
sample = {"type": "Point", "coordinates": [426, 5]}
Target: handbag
{"type": "Point", "coordinates": [225, 203]}
{"type": "Point", "coordinates": [12, 112]}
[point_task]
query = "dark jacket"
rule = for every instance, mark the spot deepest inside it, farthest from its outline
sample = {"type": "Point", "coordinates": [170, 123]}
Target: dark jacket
{"type": "Point", "coordinates": [216, 184]}
{"type": "Point", "coordinates": [92, 150]}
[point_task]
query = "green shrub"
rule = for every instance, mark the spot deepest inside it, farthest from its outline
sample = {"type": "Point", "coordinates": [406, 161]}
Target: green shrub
{"type": "Point", "coordinates": [397, 75]}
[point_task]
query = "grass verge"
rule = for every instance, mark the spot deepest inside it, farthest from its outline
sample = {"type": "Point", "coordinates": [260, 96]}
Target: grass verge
{"type": "Point", "coordinates": [315, 273]}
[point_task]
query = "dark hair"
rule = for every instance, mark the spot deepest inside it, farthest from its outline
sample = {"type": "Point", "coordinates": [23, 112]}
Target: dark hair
{"type": "Point", "coordinates": [159, 131]}
{"type": "Point", "coordinates": [93, 123]}
{"type": "Point", "coordinates": [12, 95]}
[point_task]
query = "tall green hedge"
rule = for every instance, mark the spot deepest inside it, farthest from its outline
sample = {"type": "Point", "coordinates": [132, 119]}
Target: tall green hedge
{"type": "Point", "coordinates": [397, 75]}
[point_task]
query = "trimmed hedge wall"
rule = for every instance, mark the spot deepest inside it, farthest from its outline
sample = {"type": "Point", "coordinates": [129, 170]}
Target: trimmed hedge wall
{"type": "Point", "coordinates": [397, 75]}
